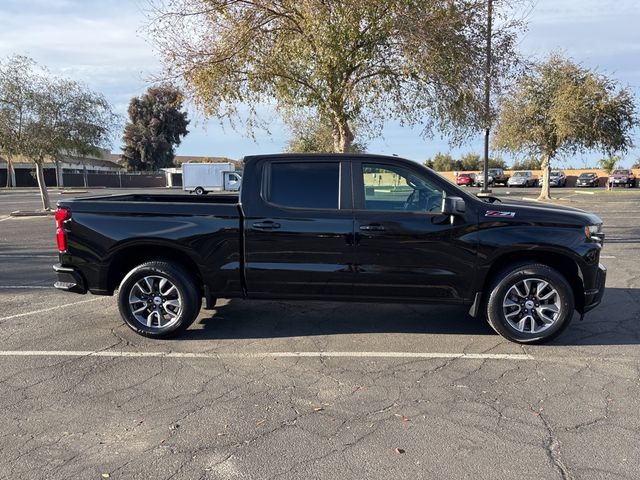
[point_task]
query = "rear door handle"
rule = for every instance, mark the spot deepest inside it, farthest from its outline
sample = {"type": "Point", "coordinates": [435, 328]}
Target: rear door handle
{"type": "Point", "coordinates": [372, 228]}
{"type": "Point", "coordinates": [268, 225]}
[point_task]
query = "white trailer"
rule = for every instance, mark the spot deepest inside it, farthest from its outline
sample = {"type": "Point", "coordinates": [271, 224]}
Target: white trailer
{"type": "Point", "coordinates": [202, 178]}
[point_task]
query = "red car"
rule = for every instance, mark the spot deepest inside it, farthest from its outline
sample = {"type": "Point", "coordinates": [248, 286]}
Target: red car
{"type": "Point", "coordinates": [467, 179]}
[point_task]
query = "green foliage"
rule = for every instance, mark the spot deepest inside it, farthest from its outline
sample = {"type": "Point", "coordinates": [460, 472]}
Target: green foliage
{"type": "Point", "coordinates": [531, 163]}
{"type": "Point", "coordinates": [561, 107]}
{"type": "Point", "coordinates": [362, 61]}
{"type": "Point", "coordinates": [637, 164]}
{"type": "Point", "coordinates": [43, 116]}
{"type": "Point", "coordinates": [443, 162]}
{"type": "Point", "coordinates": [609, 164]}
{"type": "Point", "coordinates": [469, 162]}
{"type": "Point", "coordinates": [156, 126]}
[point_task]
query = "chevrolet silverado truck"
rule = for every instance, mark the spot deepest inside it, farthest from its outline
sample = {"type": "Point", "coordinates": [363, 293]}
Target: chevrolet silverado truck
{"type": "Point", "coordinates": [357, 228]}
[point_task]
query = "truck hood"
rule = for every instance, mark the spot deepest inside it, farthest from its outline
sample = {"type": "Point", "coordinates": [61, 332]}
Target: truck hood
{"type": "Point", "coordinates": [537, 212]}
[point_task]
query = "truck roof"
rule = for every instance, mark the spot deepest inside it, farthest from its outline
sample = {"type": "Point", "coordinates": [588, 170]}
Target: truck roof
{"type": "Point", "coordinates": [253, 158]}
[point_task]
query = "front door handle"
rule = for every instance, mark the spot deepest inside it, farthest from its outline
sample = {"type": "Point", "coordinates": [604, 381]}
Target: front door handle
{"type": "Point", "coordinates": [268, 225]}
{"type": "Point", "coordinates": [374, 227]}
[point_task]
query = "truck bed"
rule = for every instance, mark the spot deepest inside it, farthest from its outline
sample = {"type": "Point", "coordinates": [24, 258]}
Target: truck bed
{"type": "Point", "coordinates": [167, 204]}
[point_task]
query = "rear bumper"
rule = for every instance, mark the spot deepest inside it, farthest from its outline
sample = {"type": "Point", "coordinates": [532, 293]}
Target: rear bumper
{"type": "Point", "coordinates": [593, 297]}
{"type": "Point", "coordinates": [69, 279]}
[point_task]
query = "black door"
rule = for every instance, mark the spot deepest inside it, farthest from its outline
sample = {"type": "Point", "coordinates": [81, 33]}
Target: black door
{"type": "Point", "coordinates": [299, 234]}
{"type": "Point", "coordinates": [405, 248]}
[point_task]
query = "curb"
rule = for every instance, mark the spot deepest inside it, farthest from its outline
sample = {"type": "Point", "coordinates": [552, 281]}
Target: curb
{"type": "Point", "coordinates": [19, 213]}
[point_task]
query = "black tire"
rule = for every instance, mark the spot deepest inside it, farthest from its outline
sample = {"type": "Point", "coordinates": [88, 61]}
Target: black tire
{"type": "Point", "coordinates": [505, 280]}
{"type": "Point", "coordinates": [200, 191]}
{"type": "Point", "coordinates": [186, 292]}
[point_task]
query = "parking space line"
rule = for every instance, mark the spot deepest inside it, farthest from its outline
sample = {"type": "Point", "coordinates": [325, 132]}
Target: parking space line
{"type": "Point", "coordinates": [415, 355]}
{"type": "Point", "coordinates": [5, 218]}
{"type": "Point", "coordinates": [22, 287]}
{"type": "Point", "coordinates": [28, 256]}
{"type": "Point", "coordinates": [50, 309]}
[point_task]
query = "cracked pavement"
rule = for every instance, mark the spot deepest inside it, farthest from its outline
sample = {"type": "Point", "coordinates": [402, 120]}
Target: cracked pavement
{"type": "Point", "coordinates": [570, 412]}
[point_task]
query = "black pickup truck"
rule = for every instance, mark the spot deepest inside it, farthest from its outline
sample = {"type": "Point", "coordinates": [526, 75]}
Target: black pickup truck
{"type": "Point", "coordinates": [333, 227]}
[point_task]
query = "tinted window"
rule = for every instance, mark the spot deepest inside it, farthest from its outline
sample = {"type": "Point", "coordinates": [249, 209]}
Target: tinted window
{"type": "Point", "coordinates": [305, 184]}
{"type": "Point", "coordinates": [396, 188]}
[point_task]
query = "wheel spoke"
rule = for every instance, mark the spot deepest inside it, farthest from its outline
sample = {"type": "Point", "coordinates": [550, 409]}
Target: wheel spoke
{"type": "Point", "coordinates": [149, 282]}
{"type": "Point", "coordinates": [155, 301]}
{"type": "Point", "coordinates": [541, 305]}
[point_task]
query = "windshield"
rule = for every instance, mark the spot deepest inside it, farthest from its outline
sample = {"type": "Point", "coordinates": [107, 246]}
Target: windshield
{"type": "Point", "coordinates": [522, 174]}
{"type": "Point", "coordinates": [621, 172]}
{"type": "Point", "coordinates": [586, 175]}
{"type": "Point", "coordinates": [555, 174]}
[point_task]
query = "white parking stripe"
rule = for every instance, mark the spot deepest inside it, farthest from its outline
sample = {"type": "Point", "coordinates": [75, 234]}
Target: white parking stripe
{"type": "Point", "coordinates": [427, 355]}
{"type": "Point", "coordinates": [5, 218]}
{"type": "Point", "coordinates": [44, 310]}
{"type": "Point", "coordinates": [21, 287]}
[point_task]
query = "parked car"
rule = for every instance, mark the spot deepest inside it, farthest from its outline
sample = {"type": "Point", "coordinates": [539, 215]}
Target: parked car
{"type": "Point", "coordinates": [622, 177]}
{"type": "Point", "coordinates": [587, 179]}
{"type": "Point", "coordinates": [333, 227]}
{"type": "Point", "coordinates": [557, 178]}
{"type": "Point", "coordinates": [466, 179]}
{"type": "Point", "coordinates": [496, 177]}
{"type": "Point", "coordinates": [523, 178]}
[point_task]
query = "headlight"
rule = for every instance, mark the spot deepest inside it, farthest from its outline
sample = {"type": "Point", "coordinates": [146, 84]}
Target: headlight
{"type": "Point", "coordinates": [594, 232]}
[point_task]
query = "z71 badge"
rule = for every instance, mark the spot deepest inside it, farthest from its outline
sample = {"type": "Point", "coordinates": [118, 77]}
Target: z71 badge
{"type": "Point", "coordinates": [498, 213]}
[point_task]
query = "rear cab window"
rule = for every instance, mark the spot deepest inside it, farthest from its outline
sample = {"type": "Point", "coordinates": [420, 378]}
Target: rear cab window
{"type": "Point", "coordinates": [304, 184]}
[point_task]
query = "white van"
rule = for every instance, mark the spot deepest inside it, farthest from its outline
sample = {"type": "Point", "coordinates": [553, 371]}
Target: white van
{"type": "Point", "coordinates": [203, 178]}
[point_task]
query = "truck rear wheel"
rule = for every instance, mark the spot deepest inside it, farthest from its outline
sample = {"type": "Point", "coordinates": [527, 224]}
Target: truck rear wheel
{"type": "Point", "coordinates": [158, 299]}
{"type": "Point", "coordinates": [530, 303]}
{"type": "Point", "coordinates": [200, 191]}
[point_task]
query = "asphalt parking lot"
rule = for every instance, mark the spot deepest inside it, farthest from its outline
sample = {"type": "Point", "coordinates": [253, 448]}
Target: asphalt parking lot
{"type": "Point", "coordinates": [303, 390]}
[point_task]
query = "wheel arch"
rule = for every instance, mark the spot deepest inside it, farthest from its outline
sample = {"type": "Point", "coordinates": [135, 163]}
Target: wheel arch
{"type": "Point", "coordinates": [128, 257]}
{"type": "Point", "coordinates": [562, 262]}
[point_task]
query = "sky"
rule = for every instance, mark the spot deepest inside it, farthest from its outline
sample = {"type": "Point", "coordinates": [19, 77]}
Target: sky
{"type": "Point", "coordinates": [103, 44]}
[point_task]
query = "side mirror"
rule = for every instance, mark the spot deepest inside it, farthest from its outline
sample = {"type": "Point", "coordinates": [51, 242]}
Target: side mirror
{"type": "Point", "coordinates": [453, 206]}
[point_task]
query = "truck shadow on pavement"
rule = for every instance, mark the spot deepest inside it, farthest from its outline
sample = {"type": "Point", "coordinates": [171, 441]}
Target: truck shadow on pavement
{"type": "Point", "coordinates": [615, 322]}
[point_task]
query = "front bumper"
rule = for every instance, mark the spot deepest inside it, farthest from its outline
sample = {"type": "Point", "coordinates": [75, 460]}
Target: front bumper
{"type": "Point", "coordinates": [69, 279]}
{"type": "Point", "coordinates": [593, 297]}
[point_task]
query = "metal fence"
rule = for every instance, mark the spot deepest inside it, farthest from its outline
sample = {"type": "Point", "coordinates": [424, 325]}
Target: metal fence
{"type": "Point", "coordinates": [25, 177]}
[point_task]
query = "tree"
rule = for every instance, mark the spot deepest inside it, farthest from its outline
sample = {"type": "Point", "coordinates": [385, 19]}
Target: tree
{"type": "Point", "coordinates": [55, 116]}
{"type": "Point", "coordinates": [637, 164]}
{"type": "Point", "coordinates": [362, 61]}
{"type": "Point", "coordinates": [156, 126]}
{"type": "Point", "coordinates": [561, 107]}
{"type": "Point", "coordinates": [312, 134]}
{"type": "Point", "coordinates": [443, 162]}
{"type": "Point", "coordinates": [531, 163]}
{"type": "Point", "coordinates": [470, 162]}
{"type": "Point", "coordinates": [17, 77]}
{"type": "Point", "coordinates": [609, 164]}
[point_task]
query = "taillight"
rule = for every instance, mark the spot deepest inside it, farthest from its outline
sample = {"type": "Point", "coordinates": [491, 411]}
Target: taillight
{"type": "Point", "coordinates": [62, 214]}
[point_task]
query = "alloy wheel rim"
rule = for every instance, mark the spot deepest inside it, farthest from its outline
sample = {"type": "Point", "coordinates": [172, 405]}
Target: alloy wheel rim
{"type": "Point", "coordinates": [155, 302]}
{"type": "Point", "coordinates": [531, 305]}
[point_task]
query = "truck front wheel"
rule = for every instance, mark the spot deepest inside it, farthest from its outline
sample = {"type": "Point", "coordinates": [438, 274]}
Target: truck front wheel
{"type": "Point", "coordinates": [158, 299]}
{"type": "Point", "coordinates": [530, 303]}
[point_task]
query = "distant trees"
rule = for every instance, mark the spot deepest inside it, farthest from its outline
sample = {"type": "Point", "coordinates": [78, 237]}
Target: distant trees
{"type": "Point", "coordinates": [560, 107]}
{"type": "Point", "coordinates": [444, 162]}
{"type": "Point", "coordinates": [531, 163]}
{"type": "Point", "coordinates": [157, 123]}
{"type": "Point", "coordinates": [43, 116]}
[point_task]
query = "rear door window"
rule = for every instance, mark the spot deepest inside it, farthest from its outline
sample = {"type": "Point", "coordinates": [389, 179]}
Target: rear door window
{"type": "Point", "coordinates": [304, 184]}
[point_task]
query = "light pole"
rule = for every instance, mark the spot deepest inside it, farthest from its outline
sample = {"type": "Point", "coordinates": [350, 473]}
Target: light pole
{"type": "Point", "coordinates": [487, 100]}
